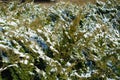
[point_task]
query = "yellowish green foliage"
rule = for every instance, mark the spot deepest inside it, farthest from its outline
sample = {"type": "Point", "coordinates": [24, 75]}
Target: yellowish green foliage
{"type": "Point", "coordinates": [64, 41]}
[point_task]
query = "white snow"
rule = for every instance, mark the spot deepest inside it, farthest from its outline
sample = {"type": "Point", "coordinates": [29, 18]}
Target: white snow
{"type": "Point", "coordinates": [2, 20]}
{"type": "Point", "coordinates": [13, 24]}
{"type": "Point", "coordinates": [68, 64]}
{"type": "Point", "coordinates": [25, 61]}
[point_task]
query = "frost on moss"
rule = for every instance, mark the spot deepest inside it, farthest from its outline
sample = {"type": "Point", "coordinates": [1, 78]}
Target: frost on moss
{"type": "Point", "coordinates": [64, 42]}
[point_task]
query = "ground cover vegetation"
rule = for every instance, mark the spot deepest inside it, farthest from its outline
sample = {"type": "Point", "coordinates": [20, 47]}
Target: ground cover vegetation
{"type": "Point", "coordinates": [60, 42]}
